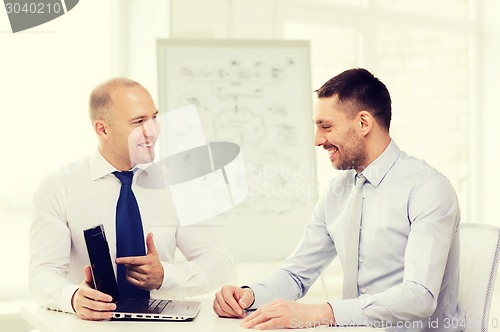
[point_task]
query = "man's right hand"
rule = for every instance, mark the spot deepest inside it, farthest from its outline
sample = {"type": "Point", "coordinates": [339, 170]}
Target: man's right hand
{"type": "Point", "coordinates": [231, 301]}
{"type": "Point", "coordinates": [89, 303]}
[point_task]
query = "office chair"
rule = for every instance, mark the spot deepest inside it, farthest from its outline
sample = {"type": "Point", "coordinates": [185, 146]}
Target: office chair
{"type": "Point", "coordinates": [479, 258]}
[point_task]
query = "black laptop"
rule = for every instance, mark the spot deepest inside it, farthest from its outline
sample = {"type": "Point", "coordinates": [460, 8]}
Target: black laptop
{"type": "Point", "coordinates": [105, 281]}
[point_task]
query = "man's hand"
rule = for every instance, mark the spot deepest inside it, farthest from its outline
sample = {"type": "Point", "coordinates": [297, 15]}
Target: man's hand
{"type": "Point", "coordinates": [231, 301]}
{"type": "Point", "coordinates": [289, 314]}
{"type": "Point", "coordinates": [89, 303]}
{"type": "Point", "coordinates": [145, 272]}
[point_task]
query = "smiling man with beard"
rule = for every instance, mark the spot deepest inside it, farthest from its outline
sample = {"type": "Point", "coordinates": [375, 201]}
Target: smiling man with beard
{"type": "Point", "coordinates": [391, 219]}
{"type": "Point", "coordinates": [86, 193]}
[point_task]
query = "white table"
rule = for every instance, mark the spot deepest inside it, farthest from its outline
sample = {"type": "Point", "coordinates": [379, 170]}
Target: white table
{"type": "Point", "coordinates": [207, 321]}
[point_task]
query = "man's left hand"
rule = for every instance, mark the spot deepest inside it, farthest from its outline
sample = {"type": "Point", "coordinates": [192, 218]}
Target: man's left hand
{"type": "Point", "coordinates": [289, 314]}
{"type": "Point", "coordinates": [145, 272]}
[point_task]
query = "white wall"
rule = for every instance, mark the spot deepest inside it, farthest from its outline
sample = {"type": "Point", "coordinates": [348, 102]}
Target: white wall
{"type": "Point", "coordinates": [139, 24]}
{"type": "Point", "coordinates": [46, 75]}
{"type": "Point", "coordinates": [487, 116]}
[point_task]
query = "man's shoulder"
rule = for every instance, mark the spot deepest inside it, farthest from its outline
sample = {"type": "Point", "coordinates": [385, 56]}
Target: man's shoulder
{"type": "Point", "coordinates": [410, 166]}
{"type": "Point", "coordinates": [412, 172]}
{"type": "Point", "coordinates": [74, 169]}
{"type": "Point", "coordinates": [60, 181]}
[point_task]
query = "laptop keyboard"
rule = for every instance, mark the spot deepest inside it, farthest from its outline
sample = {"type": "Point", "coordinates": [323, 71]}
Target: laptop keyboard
{"type": "Point", "coordinates": [145, 306]}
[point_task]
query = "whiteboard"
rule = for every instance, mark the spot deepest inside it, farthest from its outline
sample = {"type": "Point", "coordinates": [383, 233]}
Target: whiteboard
{"type": "Point", "coordinates": [256, 94]}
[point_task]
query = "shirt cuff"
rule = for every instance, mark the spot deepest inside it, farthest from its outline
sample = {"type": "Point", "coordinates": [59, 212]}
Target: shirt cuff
{"type": "Point", "coordinates": [260, 294]}
{"type": "Point", "coordinates": [181, 280]}
{"type": "Point", "coordinates": [66, 296]}
{"type": "Point", "coordinates": [173, 278]}
{"type": "Point", "coordinates": [349, 312]}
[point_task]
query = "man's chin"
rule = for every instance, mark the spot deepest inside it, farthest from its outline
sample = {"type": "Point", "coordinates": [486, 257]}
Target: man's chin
{"type": "Point", "coordinates": [144, 159]}
{"type": "Point", "coordinates": [342, 167]}
{"type": "Point", "coordinates": [337, 166]}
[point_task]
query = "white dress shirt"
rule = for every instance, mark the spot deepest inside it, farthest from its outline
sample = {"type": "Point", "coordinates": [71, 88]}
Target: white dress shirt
{"type": "Point", "coordinates": [84, 194]}
{"type": "Point", "coordinates": [408, 265]}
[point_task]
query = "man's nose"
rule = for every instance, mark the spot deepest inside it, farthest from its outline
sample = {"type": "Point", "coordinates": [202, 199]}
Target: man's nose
{"type": "Point", "coordinates": [150, 128]}
{"type": "Point", "coordinates": [319, 139]}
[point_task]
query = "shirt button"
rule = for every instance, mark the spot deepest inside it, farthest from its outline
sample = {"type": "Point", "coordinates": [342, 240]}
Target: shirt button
{"type": "Point", "coordinates": [363, 290]}
{"type": "Point", "coordinates": [360, 227]}
{"type": "Point", "coordinates": [361, 259]}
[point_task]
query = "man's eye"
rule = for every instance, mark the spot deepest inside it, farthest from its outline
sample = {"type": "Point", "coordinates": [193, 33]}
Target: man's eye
{"type": "Point", "coordinates": [138, 122]}
{"type": "Point", "coordinates": [326, 127]}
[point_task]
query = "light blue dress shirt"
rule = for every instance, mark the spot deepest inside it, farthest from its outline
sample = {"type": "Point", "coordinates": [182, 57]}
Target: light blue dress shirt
{"type": "Point", "coordinates": [408, 265]}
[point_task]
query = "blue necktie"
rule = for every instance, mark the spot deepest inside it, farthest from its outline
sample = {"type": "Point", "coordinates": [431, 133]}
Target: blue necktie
{"type": "Point", "coordinates": [129, 234]}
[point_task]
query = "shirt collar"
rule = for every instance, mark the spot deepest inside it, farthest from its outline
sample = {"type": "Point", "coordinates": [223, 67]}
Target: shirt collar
{"type": "Point", "coordinates": [376, 171]}
{"type": "Point", "coordinates": [100, 167]}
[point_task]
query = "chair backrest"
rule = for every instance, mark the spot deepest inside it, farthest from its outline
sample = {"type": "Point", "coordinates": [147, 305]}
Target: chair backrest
{"type": "Point", "coordinates": [479, 257]}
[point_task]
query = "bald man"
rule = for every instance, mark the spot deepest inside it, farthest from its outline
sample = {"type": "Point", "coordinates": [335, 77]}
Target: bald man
{"type": "Point", "coordinates": [85, 193]}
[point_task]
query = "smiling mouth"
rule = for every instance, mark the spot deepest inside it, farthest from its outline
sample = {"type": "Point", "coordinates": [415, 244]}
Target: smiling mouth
{"type": "Point", "coordinates": [332, 151]}
{"type": "Point", "coordinates": [146, 145]}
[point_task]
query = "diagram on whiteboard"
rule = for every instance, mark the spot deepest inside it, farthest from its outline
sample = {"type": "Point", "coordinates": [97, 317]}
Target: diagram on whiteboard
{"type": "Point", "coordinates": [258, 97]}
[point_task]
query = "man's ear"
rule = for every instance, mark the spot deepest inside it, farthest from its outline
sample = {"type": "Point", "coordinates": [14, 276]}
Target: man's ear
{"type": "Point", "coordinates": [100, 128]}
{"type": "Point", "coordinates": [365, 122]}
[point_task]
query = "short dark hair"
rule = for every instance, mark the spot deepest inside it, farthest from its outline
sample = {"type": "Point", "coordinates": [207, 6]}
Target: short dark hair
{"type": "Point", "coordinates": [359, 88]}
